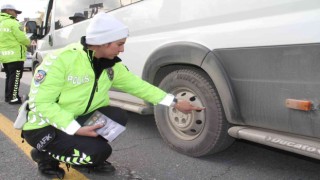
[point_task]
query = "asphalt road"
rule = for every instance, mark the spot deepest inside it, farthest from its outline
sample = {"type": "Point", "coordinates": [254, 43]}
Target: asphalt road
{"type": "Point", "coordinates": [140, 153]}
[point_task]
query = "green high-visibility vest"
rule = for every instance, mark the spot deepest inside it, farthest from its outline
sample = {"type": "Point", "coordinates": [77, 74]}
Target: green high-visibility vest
{"type": "Point", "coordinates": [64, 82]}
{"type": "Point", "coordinates": [13, 41]}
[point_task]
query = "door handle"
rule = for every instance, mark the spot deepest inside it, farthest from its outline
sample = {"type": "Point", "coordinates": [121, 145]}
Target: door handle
{"type": "Point", "coordinates": [50, 40]}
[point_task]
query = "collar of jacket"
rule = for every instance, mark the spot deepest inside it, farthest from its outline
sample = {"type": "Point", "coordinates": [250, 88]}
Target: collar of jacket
{"type": "Point", "coordinates": [104, 62]}
{"type": "Point", "coordinates": [7, 16]}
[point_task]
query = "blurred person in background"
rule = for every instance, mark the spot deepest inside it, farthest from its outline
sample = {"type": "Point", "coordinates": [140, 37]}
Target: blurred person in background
{"type": "Point", "coordinates": [77, 17]}
{"type": "Point", "coordinates": [13, 46]}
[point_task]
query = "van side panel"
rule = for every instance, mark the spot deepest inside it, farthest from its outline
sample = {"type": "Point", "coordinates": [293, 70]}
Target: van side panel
{"type": "Point", "coordinates": [264, 77]}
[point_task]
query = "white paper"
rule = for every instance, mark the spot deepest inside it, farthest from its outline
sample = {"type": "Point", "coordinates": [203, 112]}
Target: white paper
{"type": "Point", "coordinates": [22, 116]}
{"type": "Point", "coordinates": [111, 129]}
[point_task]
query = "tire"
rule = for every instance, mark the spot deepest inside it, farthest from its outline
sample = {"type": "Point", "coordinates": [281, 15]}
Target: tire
{"type": "Point", "coordinates": [198, 133]}
{"type": "Point", "coordinates": [34, 67]}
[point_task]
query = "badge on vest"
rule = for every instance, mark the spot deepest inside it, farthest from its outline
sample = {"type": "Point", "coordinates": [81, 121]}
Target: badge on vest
{"type": "Point", "coordinates": [40, 76]}
{"type": "Point", "coordinates": [110, 73]}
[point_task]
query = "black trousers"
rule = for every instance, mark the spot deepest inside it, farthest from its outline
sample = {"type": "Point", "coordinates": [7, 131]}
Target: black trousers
{"type": "Point", "coordinates": [74, 149]}
{"type": "Point", "coordinates": [14, 71]}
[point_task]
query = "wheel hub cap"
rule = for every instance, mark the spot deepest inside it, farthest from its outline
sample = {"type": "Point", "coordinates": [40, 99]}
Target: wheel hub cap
{"type": "Point", "coordinates": [187, 126]}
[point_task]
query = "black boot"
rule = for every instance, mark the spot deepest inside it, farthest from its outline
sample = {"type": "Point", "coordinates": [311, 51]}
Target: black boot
{"type": "Point", "coordinates": [47, 166]}
{"type": "Point", "coordinates": [104, 168]}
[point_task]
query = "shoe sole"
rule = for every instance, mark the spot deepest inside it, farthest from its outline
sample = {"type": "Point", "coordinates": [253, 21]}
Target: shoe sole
{"type": "Point", "coordinates": [92, 171]}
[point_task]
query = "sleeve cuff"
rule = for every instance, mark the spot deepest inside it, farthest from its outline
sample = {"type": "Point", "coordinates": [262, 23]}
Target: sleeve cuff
{"type": "Point", "coordinates": [73, 127]}
{"type": "Point", "coordinates": [167, 100]}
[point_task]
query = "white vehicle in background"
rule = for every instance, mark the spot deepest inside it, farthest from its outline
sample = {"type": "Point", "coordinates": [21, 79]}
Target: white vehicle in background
{"type": "Point", "coordinates": [253, 64]}
{"type": "Point", "coordinates": [28, 63]}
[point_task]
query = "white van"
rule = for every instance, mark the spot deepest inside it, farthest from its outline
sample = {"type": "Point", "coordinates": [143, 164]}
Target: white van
{"type": "Point", "coordinates": [253, 64]}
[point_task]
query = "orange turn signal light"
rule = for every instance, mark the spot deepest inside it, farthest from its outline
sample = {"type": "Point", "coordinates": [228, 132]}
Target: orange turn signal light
{"type": "Point", "coordinates": [302, 105]}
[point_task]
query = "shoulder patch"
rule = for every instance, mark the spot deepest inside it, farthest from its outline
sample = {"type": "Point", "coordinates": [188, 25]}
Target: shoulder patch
{"type": "Point", "coordinates": [110, 73]}
{"type": "Point", "coordinates": [40, 76]}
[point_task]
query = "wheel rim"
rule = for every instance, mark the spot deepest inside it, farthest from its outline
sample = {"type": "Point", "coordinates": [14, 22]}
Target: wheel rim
{"type": "Point", "coordinates": [186, 126]}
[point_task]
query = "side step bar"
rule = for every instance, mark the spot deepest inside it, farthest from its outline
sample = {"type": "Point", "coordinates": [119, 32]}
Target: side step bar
{"type": "Point", "coordinates": [137, 108]}
{"type": "Point", "coordinates": [306, 146]}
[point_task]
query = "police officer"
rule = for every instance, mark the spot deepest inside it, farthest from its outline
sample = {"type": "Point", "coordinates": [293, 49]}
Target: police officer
{"type": "Point", "coordinates": [13, 44]}
{"type": "Point", "coordinates": [73, 83]}
{"type": "Point", "coordinates": [77, 17]}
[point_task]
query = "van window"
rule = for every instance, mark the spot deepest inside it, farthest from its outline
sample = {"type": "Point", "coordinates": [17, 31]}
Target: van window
{"type": "Point", "coordinates": [73, 11]}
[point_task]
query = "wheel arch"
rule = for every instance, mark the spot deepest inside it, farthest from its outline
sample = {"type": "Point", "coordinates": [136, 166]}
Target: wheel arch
{"type": "Point", "coordinates": [212, 66]}
{"type": "Point", "coordinates": [179, 55]}
{"type": "Point", "coordinates": [173, 54]}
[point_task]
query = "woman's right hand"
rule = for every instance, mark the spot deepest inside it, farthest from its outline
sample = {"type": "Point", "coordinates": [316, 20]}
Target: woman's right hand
{"type": "Point", "coordinates": [89, 131]}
